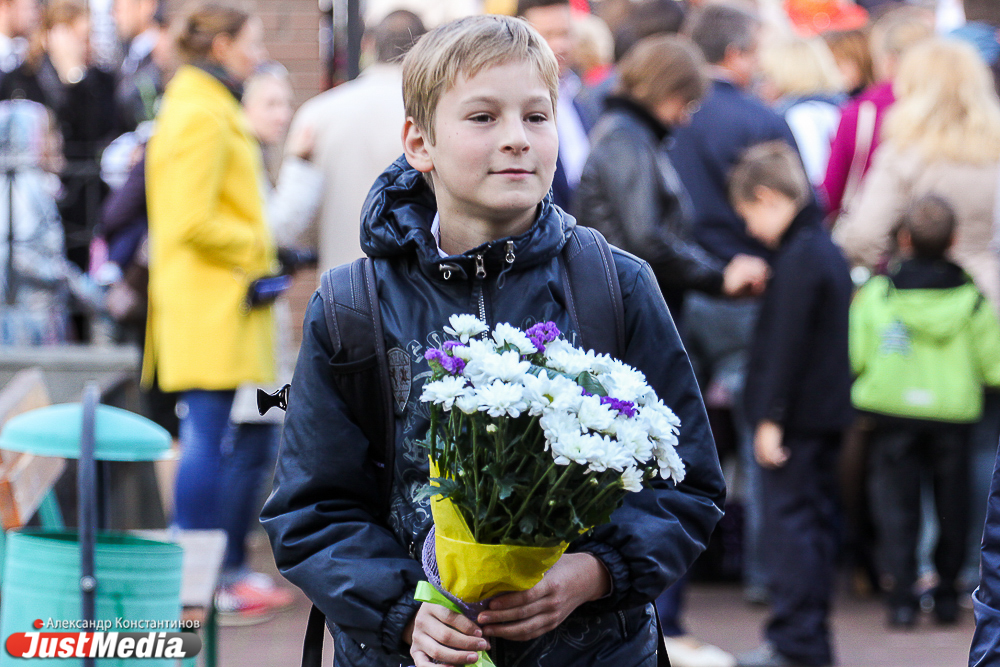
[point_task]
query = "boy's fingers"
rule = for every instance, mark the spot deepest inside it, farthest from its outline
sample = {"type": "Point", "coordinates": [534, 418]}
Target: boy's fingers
{"type": "Point", "coordinates": [457, 621]}
{"type": "Point", "coordinates": [530, 628]}
{"type": "Point", "coordinates": [521, 598]}
{"type": "Point", "coordinates": [449, 637]}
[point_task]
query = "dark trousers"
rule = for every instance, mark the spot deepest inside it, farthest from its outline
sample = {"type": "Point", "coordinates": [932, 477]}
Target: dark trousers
{"type": "Point", "coordinates": [799, 540]}
{"type": "Point", "coordinates": [900, 455]}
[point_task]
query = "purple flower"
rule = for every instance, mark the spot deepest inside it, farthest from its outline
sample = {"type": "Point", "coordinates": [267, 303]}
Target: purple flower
{"type": "Point", "coordinates": [584, 391]}
{"type": "Point", "coordinates": [626, 408]}
{"type": "Point", "coordinates": [450, 345]}
{"type": "Point", "coordinates": [541, 333]}
{"type": "Point", "coordinates": [435, 354]}
{"type": "Point", "coordinates": [454, 365]}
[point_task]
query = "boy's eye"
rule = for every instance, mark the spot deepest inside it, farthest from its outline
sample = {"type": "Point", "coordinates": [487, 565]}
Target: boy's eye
{"type": "Point", "coordinates": [481, 118]}
{"type": "Point", "coordinates": [537, 118]}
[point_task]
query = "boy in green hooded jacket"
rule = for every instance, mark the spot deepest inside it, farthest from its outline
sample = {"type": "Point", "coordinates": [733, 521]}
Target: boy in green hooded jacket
{"type": "Point", "coordinates": [923, 343]}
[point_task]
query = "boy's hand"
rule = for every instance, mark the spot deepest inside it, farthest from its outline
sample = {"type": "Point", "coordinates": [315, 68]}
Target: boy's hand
{"type": "Point", "coordinates": [767, 445]}
{"type": "Point", "coordinates": [573, 580]}
{"type": "Point", "coordinates": [440, 636]}
{"type": "Point", "coordinates": [745, 275]}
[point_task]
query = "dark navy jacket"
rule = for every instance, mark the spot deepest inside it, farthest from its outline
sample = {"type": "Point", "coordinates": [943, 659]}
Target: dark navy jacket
{"type": "Point", "coordinates": [986, 600]}
{"type": "Point", "coordinates": [799, 374]}
{"type": "Point", "coordinates": [322, 517]}
{"type": "Point", "coordinates": [704, 152]}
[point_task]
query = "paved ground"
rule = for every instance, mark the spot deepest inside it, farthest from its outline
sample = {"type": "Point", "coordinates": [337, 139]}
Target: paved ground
{"type": "Point", "coordinates": [714, 613]}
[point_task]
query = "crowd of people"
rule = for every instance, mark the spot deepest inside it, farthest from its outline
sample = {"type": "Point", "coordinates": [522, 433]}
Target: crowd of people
{"type": "Point", "coordinates": [766, 160]}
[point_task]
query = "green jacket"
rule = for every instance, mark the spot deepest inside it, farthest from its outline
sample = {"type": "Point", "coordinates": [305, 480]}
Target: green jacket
{"type": "Point", "coordinates": [923, 353]}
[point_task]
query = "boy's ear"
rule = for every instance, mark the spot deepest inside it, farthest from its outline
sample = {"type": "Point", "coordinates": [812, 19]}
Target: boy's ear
{"type": "Point", "coordinates": [415, 147]}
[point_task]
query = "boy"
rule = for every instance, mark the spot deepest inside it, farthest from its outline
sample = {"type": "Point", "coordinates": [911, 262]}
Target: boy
{"type": "Point", "coordinates": [923, 344]}
{"type": "Point", "coordinates": [797, 398]}
{"type": "Point", "coordinates": [463, 224]}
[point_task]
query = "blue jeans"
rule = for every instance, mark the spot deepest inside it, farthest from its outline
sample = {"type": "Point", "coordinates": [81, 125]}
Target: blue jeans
{"type": "Point", "coordinates": [221, 470]}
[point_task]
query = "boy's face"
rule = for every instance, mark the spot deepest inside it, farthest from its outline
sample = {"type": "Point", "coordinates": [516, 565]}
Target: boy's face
{"type": "Point", "coordinates": [768, 216]}
{"type": "Point", "coordinates": [495, 146]}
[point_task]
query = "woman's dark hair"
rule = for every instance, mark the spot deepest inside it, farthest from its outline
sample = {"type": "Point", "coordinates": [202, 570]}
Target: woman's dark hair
{"type": "Point", "coordinates": [199, 27]}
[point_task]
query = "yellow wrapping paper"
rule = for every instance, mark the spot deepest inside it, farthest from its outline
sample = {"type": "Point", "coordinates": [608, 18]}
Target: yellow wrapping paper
{"type": "Point", "coordinates": [474, 572]}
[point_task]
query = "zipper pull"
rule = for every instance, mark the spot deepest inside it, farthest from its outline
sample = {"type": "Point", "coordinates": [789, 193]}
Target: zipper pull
{"type": "Point", "coordinates": [509, 257]}
{"type": "Point", "coordinates": [480, 267]}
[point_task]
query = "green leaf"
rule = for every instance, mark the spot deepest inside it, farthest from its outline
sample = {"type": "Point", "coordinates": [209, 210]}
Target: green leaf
{"type": "Point", "coordinates": [528, 524]}
{"type": "Point", "coordinates": [590, 383]}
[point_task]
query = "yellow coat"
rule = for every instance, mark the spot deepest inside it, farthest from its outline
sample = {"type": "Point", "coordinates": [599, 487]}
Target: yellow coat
{"type": "Point", "coordinates": [208, 239]}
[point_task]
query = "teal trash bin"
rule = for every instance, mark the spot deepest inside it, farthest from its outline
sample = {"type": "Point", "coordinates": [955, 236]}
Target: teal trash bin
{"type": "Point", "coordinates": [139, 581]}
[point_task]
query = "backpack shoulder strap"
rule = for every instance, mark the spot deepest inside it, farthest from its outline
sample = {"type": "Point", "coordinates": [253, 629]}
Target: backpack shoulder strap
{"type": "Point", "coordinates": [360, 365]}
{"type": "Point", "coordinates": [593, 294]}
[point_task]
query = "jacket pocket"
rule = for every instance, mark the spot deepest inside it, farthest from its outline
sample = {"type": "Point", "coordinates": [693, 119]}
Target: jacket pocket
{"type": "Point", "coordinates": [356, 366]}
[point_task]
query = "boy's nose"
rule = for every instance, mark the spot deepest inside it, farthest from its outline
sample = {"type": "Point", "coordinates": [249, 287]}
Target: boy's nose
{"type": "Point", "coordinates": [515, 138]}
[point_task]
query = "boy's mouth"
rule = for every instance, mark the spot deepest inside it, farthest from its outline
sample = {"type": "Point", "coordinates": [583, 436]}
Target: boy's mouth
{"type": "Point", "coordinates": [514, 171]}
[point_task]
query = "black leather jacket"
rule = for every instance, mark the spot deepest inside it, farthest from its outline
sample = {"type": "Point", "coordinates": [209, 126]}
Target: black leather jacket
{"type": "Point", "coordinates": [322, 517]}
{"type": "Point", "coordinates": [630, 192]}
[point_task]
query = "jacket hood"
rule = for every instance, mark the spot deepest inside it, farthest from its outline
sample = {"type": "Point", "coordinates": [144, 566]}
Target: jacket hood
{"type": "Point", "coordinates": [938, 314]}
{"type": "Point", "coordinates": [396, 221]}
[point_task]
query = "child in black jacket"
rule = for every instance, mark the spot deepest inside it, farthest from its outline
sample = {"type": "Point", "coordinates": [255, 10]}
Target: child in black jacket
{"type": "Point", "coordinates": [797, 397]}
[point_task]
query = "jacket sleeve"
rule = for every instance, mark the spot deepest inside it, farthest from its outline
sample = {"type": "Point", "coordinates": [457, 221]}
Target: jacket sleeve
{"type": "Point", "coordinates": [986, 599]}
{"type": "Point", "coordinates": [865, 233]}
{"type": "Point", "coordinates": [796, 286]}
{"type": "Point", "coordinates": [838, 168]}
{"type": "Point", "coordinates": [860, 337]}
{"type": "Point", "coordinates": [321, 518]}
{"type": "Point", "coordinates": [986, 343]}
{"type": "Point", "coordinates": [656, 535]}
{"type": "Point", "coordinates": [295, 199]}
{"type": "Point", "coordinates": [189, 176]}
{"type": "Point", "coordinates": [648, 219]}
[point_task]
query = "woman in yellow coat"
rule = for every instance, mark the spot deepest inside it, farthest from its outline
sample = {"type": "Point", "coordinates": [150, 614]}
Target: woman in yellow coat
{"type": "Point", "coordinates": [208, 241]}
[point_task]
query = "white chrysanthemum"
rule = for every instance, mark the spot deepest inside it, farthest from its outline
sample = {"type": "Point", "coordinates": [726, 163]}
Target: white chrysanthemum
{"type": "Point", "coordinates": [505, 334]}
{"type": "Point", "coordinates": [556, 425]}
{"type": "Point", "coordinates": [633, 438]}
{"type": "Point", "coordinates": [570, 361]}
{"type": "Point", "coordinates": [444, 391]}
{"type": "Point", "coordinates": [506, 366]}
{"type": "Point", "coordinates": [502, 398]}
{"type": "Point", "coordinates": [547, 394]}
{"type": "Point", "coordinates": [661, 424]}
{"type": "Point", "coordinates": [671, 466]}
{"type": "Point", "coordinates": [632, 479]}
{"type": "Point", "coordinates": [593, 415]}
{"type": "Point", "coordinates": [477, 349]}
{"type": "Point", "coordinates": [624, 382]}
{"type": "Point", "coordinates": [570, 446]}
{"type": "Point", "coordinates": [468, 402]}
{"type": "Point", "coordinates": [465, 327]}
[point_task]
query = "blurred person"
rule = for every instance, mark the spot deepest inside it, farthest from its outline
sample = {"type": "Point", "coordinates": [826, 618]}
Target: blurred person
{"type": "Point", "coordinates": [17, 21]}
{"type": "Point", "coordinates": [982, 30]}
{"type": "Point", "coordinates": [553, 21]}
{"type": "Point", "coordinates": [208, 246]}
{"type": "Point", "coordinates": [37, 280]}
{"type": "Point", "coordinates": [797, 400]}
{"type": "Point", "coordinates": [630, 193]}
{"type": "Point", "coordinates": [593, 49]}
{"type": "Point", "coordinates": [942, 136]}
{"type": "Point", "coordinates": [355, 131]}
{"type": "Point", "coordinates": [854, 59]}
{"type": "Point", "coordinates": [810, 18]}
{"type": "Point", "coordinates": [58, 74]}
{"type": "Point", "coordinates": [860, 129]}
{"type": "Point", "coordinates": [139, 85]}
{"type": "Point", "coordinates": [923, 343]}
{"type": "Point", "coordinates": [717, 331]}
{"type": "Point", "coordinates": [799, 77]}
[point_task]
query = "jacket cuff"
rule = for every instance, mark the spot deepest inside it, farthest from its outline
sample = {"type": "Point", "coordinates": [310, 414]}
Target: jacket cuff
{"type": "Point", "coordinates": [613, 562]}
{"type": "Point", "coordinates": [396, 620]}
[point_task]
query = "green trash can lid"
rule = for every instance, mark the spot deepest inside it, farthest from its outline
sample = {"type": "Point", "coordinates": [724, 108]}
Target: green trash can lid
{"type": "Point", "coordinates": [55, 431]}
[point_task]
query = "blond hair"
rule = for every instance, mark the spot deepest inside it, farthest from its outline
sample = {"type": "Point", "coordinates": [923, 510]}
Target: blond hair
{"type": "Point", "coordinates": [663, 66]}
{"type": "Point", "coordinates": [771, 164]}
{"type": "Point", "coordinates": [800, 66]}
{"type": "Point", "coordinates": [465, 48]}
{"type": "Point", "coordinates": [946, 106]}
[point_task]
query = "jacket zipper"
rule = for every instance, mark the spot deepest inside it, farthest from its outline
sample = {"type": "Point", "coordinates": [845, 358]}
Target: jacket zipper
{"type": "Point", "coordinates": [480, 275]}
{"type": "Point", "coordinates": [623, 624]}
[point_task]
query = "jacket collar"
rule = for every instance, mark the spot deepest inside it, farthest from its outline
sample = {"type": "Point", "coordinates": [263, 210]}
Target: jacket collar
{"type": "Point", "coordinates": [396, 221]}
{"type": "Point", "coordinates": [640, 113]}
{"type": "Point", "coordinates": [928, 274]}
{"type": "Point", "coordinates": [222, 75]}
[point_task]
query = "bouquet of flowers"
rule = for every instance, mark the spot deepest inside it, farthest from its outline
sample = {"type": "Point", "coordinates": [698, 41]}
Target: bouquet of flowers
{"type": "Point", "coordinates": [532, 442]}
